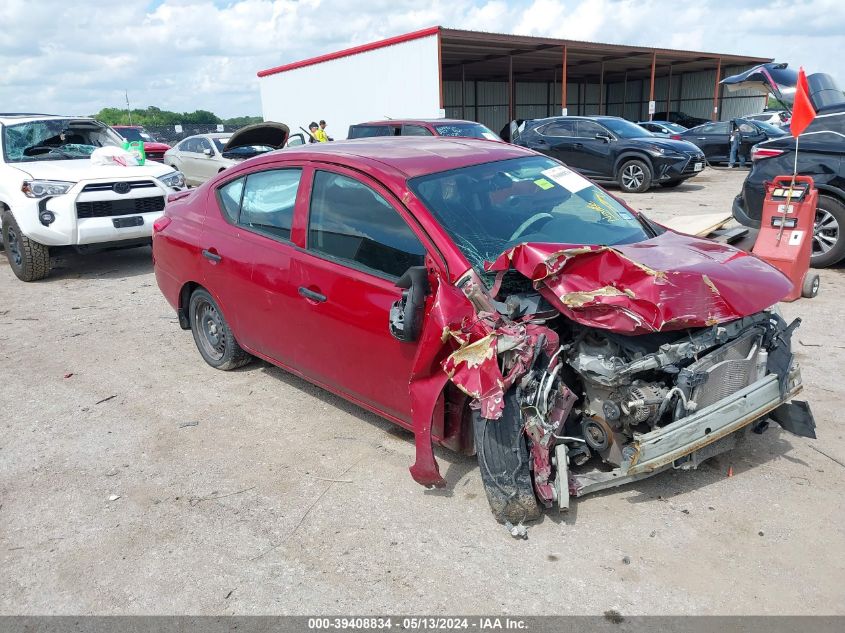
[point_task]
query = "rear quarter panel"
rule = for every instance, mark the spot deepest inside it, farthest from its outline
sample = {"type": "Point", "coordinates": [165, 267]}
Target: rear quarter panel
{"type": "Point", "coordinates": [177, 249]}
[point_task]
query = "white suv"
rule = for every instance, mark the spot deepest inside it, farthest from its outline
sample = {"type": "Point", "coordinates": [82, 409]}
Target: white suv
{"type": "Point", "coordinates": [52, 195]}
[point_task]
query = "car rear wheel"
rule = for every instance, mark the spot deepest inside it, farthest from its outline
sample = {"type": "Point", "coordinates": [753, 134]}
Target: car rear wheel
{"type": "Point", "coordinates": [29, 260]}
{"type": "Point", "coordinates": [634, 176]}
{"type": "Point", "coordinates": [828, 242]}
{"type": "Point", "coordinates": [212, 334]}
{"type": "Point", "coordinates": [503, 458]}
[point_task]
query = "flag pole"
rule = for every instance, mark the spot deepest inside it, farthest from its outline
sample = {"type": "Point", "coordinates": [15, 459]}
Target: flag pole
{"type": "Point", "coordinates": [789, 193]}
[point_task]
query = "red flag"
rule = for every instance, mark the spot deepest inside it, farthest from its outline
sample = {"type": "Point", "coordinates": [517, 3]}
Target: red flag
{"type": "Point", "coordinates": [803, 111]}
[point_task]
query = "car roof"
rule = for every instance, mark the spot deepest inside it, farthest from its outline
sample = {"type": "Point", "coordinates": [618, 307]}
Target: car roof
{"type": "Point", "coordinates": [209, 135]}
{"type": "Point", "coordinates": [424, 121]}
{"type": "Point", "coordinates": [411, 156]}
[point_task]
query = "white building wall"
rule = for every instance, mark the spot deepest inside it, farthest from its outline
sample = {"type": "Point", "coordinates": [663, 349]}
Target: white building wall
{"type": "Point", "coordinates": [398, 81]}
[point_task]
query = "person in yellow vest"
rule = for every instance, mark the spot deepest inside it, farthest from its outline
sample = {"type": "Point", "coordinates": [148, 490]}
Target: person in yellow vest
{"type": "Point", "coordinates": [323, 128]}
{"type": "Point", "coordinates": [317, 135]}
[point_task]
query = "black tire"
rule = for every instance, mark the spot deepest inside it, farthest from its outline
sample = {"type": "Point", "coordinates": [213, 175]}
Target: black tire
{"type": "Point", "coordinates": [503, 456]}
{"type": "Point", "coordinates": [30, 261]}
{"type": "Point", "coordinates": [213, 336]}
{"type": "Point", "coordinates": [828, 240]}
{"type": "Point", "coordinates": [634, 176]}
{"type": "Point", "coordinates": [810, 287]}
{"type": "Point", "coordinates": [669, 184]}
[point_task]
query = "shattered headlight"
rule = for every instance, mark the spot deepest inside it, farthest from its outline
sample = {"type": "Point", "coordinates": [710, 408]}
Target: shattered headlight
{"type": "Point", "coordinates": [174, 179]}
{"type": "Point", "coordinates": [42, 188]}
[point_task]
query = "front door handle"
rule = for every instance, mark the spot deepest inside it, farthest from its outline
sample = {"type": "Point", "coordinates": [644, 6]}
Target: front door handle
{"type": "Point", "coordinates": [310, 294]}
{"type": "Point", "coordinates": [211, 255]}
{"type": "Point", "coordinates": [701, 138]}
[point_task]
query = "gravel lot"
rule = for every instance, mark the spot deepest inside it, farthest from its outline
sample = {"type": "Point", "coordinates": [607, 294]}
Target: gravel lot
{"type": "Point", "coordinates": [136, 479]}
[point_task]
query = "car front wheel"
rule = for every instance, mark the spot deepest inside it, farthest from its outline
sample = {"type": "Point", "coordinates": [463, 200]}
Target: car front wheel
{"type": "Point", "coordinates": [828, 242]}
{"type": "Point", "coordinates": [634, 176]}
{"type": "Point", "coordinates": [30, 261]}
{"type": "Point", "coordinates": [212, 334]}
{"type": "Point", "coordinates": [503, 458]}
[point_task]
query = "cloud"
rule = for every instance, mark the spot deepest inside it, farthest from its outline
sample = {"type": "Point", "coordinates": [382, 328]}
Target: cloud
{"type": "Point", "coordinates": [203, 54]}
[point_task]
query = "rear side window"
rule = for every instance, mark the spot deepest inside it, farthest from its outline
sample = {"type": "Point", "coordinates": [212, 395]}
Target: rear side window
{"type": "Point", "coordinates": [366, 131]}
{"type": "Point", "coordinates": [415, 130]}
{"type": "Point", "coordinates": [351, 222]}
{"type": "Point", "coordinates": [263, 202]}
{"type": "Point", "coordinates": [230, 199]}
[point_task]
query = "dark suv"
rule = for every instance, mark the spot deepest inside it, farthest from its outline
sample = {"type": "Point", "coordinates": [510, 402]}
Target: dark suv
{"type": "Point", "coordinates": [608, 148]}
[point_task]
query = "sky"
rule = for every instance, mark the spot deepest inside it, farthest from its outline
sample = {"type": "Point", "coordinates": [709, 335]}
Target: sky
{"type": "Point", "coordinates": [78, 57]}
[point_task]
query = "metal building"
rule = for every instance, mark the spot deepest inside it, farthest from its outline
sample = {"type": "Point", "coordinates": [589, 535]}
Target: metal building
{"type": "Point", "coordinates": [495, 78]}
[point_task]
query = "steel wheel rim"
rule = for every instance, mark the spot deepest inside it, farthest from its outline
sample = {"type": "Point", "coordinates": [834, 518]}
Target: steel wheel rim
{"type": "Point", "coordinates": [816, 282]}
{"type": "Point", "coordinates": [14, 246]}
{"type": "Point", "coordinates": [633, 176]}
{"type": "Point", "coordinates": [825, 232]}
{"type": "Point", "coordinates": [212, 332]}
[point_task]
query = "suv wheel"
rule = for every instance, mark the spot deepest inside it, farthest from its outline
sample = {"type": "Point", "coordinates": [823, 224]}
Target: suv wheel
{"type": "Point", "coordinates": [213, 336]}
{"type": "Point", "coordinates": [30, 261]}
{"type": "Point", "coordinates": [634, 176]}
{"type": "Point", "coordinates": [828, 241]}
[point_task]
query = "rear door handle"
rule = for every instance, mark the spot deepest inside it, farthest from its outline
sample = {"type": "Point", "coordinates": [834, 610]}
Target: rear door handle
{"type": "Point", "coordinates": [211, 255]}
{"type": "Point", "coordinates": [310, 294]}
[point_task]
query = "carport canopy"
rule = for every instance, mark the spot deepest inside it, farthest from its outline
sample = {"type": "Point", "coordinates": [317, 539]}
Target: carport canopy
{"type": "Point", "coordinates": [479, 56]}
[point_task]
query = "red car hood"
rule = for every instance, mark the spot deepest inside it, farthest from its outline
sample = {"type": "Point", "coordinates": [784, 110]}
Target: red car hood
{"type": "Point", "coordinates": [155, 147]}
{"type": "Point", "coordinates": [669, 282]}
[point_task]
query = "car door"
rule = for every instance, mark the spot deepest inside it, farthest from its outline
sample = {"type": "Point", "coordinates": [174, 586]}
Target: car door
{"type": "Point", "coordinates": [596, 147]}
{"type": "Point", "coordinates": [751, 135]}
{"type": "Point", "coordinates": [557, 139]}
{"type": "Point", "coordinates": [246, 242]}
{"type": "Point", "coordinates": [187, 164]}
{"type": "Point", "coordinates": [713, 138]}
{"type": "Point", "coordinates": [207, 160]}
{"type": "Point", "coordinates": [359, 242]}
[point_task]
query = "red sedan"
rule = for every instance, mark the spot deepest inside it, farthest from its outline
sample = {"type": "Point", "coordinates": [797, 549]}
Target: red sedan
{"type": "Point", "coordinates": [492, 301]}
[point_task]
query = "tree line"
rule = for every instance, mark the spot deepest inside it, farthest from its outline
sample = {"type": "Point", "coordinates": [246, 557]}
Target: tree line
{"type": "Point", "coordinates": [156, 116]}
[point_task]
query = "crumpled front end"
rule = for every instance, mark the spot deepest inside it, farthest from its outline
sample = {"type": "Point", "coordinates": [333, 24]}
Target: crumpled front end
{"type": "Point", "coordinates": [620, 362]}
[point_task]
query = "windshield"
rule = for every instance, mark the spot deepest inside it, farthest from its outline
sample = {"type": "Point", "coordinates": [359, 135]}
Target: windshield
{"type": "Point", "coordinates": [135, 134]}
{"type": "Point", "coordinates": [221, 143]}
{"type": "Point", "coordinates": [55, 139]}
{"type": "Point", "coordinates": [625, 129]}
{"type": "Point", "coordinates": [468, 130]}
{"type": "Point", "coordinates": [491, 207]}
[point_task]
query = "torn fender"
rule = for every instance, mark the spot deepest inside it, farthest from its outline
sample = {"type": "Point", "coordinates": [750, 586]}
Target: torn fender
{"type": "Point", "coordinates": [669, 282]}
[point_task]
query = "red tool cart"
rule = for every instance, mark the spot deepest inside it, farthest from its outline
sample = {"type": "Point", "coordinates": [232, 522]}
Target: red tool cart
{"type": "Point", "coordinates": [786, 232]}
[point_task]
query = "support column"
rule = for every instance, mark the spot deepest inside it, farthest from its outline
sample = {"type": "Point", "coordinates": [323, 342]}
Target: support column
{"type": "Point", "coordinates": [669, 91]}
{"type": "Point", "coordinates": [714, 116]}
{"type": "Point", "coordinates": [602, 104]}
{"type": "Point", "coordinates": [563, 109]}
{"type": "Point", "coordinates": [511, 110]}
{"type": "Point", "coordinates": [463, 92]}
{"type": "Point", "coordinates": [651, 90]}
{"type": "Point", "coordinates": [625, 94]}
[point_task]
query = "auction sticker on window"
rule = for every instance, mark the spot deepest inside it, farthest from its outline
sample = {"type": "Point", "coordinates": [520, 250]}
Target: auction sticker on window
{"type": "Point", "coordinates": [566, 178]}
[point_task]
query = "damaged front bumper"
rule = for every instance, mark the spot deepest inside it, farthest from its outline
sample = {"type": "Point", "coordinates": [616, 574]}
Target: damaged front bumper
{"type": "Point", "coordinates": [701, 435]}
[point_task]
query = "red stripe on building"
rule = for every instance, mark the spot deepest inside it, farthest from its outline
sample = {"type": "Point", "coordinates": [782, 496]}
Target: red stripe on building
{"type": "Point", "coordinates": [434, 30]}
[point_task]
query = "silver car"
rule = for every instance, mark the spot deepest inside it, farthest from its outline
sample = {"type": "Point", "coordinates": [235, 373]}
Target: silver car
{"type": "Point", "coordinates": [202, 156]}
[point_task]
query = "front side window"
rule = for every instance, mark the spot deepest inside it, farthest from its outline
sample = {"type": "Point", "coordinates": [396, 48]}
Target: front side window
{"type": "Point", "coordinates": [489, 208]}
{"type": "Point", "coordinates": [230, 196]}
{"type": "Point", "coordinates": [588, 129]}
{"type": "Point", "coordinates": [350, 221]}
{"type": "Point", "coordinates": [624, 129]}
{"type": "Point", "coordinates": [202, 145]}
{"type": "Point", "coordinates": [712, 128]}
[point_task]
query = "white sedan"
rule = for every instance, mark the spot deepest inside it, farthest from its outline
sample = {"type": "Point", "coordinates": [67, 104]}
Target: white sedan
{"type": "Point", "coordinates": [202, 156]}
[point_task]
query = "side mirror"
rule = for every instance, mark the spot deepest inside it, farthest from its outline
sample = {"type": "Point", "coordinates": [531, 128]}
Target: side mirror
{"type": "Point", "coordinates": [207, 151]}
{"type": "Point", "coordinates": [406, 315]}
{"type": "Point", "coordinates": [603, 137]}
